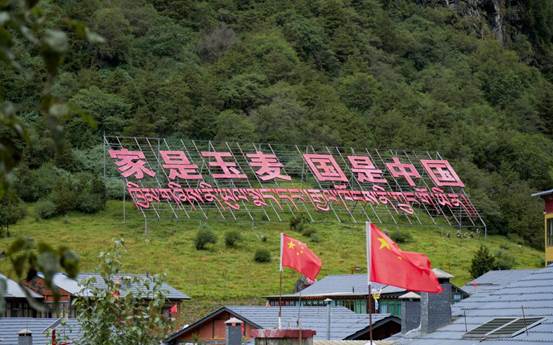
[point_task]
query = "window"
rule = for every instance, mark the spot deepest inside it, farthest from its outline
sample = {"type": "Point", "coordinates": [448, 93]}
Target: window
{"type": "Point", "coordinates": [549, 223]}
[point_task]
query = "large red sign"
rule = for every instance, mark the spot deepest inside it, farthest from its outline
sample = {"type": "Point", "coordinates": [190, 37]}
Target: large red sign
{"type": "Point", "coordinates": [234, 177]}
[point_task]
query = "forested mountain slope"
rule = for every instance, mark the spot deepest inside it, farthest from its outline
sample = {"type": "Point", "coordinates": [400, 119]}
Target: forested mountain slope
{"type": "Point", "coordinates": [471, 79]}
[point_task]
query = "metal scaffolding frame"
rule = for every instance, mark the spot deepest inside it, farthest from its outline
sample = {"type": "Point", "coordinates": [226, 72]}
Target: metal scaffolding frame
{"type": "Point", "coordinates": [343, 210]}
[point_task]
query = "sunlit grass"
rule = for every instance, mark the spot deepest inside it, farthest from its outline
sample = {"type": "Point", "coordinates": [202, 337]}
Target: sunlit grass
{"type": "Point", "coordinates": [219, 275]}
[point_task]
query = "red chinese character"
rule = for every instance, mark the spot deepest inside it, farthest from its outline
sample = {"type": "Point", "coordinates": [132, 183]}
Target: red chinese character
{"type": "Point", "coordinates": [407, 171]}
{"type": "Point", "coordinates": [131, 163]}
{"type": "Point", "coordinates": [228, 169]}
{"type": "Point", "coordinates": [324, 167]}
{"type": "Point", "coordinates": [365, 169]}
{"type": "Point", "coordinates": [269, 166]}
{"type": "Point", "coordinates": [441, 173]}
{"type": "Point", "coordinates": [179, 165]}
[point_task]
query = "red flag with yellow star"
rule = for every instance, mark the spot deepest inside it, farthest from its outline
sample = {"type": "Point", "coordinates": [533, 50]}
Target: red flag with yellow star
{"type": "Point", "coordinates": [387, 264]}
{"type": "Point", "coordinates": [295, 255]}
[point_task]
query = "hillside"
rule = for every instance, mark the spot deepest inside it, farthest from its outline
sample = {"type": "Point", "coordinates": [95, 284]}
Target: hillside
{"type": "Point", "coordinates": [219, 275]}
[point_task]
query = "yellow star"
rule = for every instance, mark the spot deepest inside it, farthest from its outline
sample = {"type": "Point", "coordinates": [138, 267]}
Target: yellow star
{"type": "Point", "coordinates": [291, 244]}
{"type": "Point", "coordinates": [384, 244]}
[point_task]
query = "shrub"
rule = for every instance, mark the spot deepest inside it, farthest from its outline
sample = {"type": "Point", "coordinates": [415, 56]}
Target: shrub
{"type": "Point", "coordinates": [503, 261]}
{"type": "Point", "coordinates": [482, 262]}
{"type": "Point", "coordinates": [65, 195]}
{"type": "Point", "coordinates": [232, 238]}
{"type": "Point", "coordinates": [262, 256]}
{"type": "Point", "coordinates": [203, 238]}
{"type": "Point", "coordinates": [400, 237]}
{"type": "Point", "coordinates": [45, 209]}
{"type": "Point", "coordinates": [309, 231]}
{"type": "Point", "coordinates": [315, 238]}
{"type": "Point", "coordinates": [297, 222]}
{"type": "Point", "coordinates": [115, 188]}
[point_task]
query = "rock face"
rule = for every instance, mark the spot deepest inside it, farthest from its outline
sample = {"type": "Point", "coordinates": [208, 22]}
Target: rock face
{"type": "Point", "coordinates": [490, 11]}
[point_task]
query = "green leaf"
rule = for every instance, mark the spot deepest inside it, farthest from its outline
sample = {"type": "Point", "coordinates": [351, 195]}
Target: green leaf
{"type": "Point", "coordinates": [93, 37]}
{"type": "Point", "coordinates": [31, 3]}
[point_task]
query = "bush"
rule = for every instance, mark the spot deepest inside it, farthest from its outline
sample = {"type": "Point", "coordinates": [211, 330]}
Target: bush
{"type": "Point", "coordinates": [115, 188]}
{"type": "Point", "coordinates": [65, 195]}
{"type": "Point", "coordinates": [315, 238]}
{"type": "Point", "coordinates": [503, 261]}
{"type": "Point", "coordinates": [309, 231]}
{"type": "Point", "coordinates": [45, 209]}
{"type": "Point", "coordinates": [12, 209]}
{"type": "Point", "coordinates": [297, 222]}
{"type": "Point", "coordinates": [203, 238]}
{"type": "Point", "coordinates": [262, 256]}
{"type": "Point", "coordinates": [232, 238]}
{"type": "Point", "coordinates": [400, 237]}
{"type": "Point", "coordinates": [482, 262]}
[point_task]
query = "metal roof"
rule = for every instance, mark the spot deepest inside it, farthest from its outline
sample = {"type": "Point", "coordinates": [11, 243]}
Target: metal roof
{"type": "Point", "coordinates": [544, 193]}
{"type": "Point", "coordinates": [10, 326]}
{"type": "Point", "coordinates": [494, 280]}
{"type": "Point", "coordinates": [345, 285]}
{"type": "Point", "coordinates": [345, 324]}
{"type": "Point", "coordinates": [75, 287]}
{"type": "Point", "coordinates": [533, 291]}
{"type": "Point", "coordinates": [15, 291]}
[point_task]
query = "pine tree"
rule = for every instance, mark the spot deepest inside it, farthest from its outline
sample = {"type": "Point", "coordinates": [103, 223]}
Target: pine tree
{"type": "Point", "coordinates": [482, 262]}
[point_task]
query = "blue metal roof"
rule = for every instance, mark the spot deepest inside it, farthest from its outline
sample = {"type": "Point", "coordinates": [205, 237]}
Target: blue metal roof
{"type": "Point", "coordinates": [533, 290]}
{"type": "Point", "coordinates": [345, 284]}
{"type": "Point", "coordinates": [9, 328]}
{"type": "Point", "coordinates": [345, 324]}
{"type": "Point", "coordinates": [75, 287]}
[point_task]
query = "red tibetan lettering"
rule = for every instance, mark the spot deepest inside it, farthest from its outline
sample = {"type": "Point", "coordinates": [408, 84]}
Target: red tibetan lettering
{"type": "Point", "coordinates": [131, 163]}
{"type": "Point", "coordinates": [365, 169]}
{"type": "Point", "coordinates": [228, 169]}
{"type": "Point", "coordinates": [442, 173]}
{"type": "Point", "coordinates": [324, 167]}
{"type": "Point", "coordinates": [179, 165]}
{"type": "Point", "coordinates": [405, 170]}
{"type": "Point", "coordinates": [269, 166]}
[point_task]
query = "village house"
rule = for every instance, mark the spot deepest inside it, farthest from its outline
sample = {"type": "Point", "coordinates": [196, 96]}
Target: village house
{"type": "Point", "coordinates": [68, 289]}
{"type": "Point", "coordinates": [344, 324]}
{"type": "Point", "coordinates": [17, 304]}
{"type": "Point", "coordinates": [351, 291]}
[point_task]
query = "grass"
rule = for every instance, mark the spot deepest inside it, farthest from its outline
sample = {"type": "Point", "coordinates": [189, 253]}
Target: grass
{"type": "Point", "coordinates": [230, 275]}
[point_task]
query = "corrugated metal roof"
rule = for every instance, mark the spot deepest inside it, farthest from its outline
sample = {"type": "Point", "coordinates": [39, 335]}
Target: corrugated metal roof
{"type": "Point", "coordinates": [344, 322]}
{"type": "Point", "coordinates": [544, 193]}
{"type": "Point", "coordinates": [15, 291]}
{"type": "Point", "coordinates": [9, 327]}
{"type": "Point", "coordinates": [75, 288]}
{"type": "Point", "coordinates": [533, 290]}
{"type": "Point", "coordinates": [345, 284]}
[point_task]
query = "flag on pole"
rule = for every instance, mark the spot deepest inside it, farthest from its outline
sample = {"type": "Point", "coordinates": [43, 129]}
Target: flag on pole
{"type": "Point", "coordinates": [388, 264]}
{"type": "Point", "coordinates": [174, 309]}
{"type": "Point", "coordinates": [297, 256]}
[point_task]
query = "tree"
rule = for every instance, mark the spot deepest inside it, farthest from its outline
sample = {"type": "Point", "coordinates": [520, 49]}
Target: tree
{"type": "Point", "coordinates": [11, 211]}
{"type": "Point", "coordinates": [112, 314]}
{"type": "Point", "coordinates": [482, 262]}
{"type": "Point", "coordinates": [24, 26]}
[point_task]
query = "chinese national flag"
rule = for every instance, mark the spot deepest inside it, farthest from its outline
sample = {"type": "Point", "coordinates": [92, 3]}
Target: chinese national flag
{"type": "Point", "coordinates": [295, 255]}
{"type": "Point", "coordinates": [392, 266]}
{"type": "Point", "coordinates": [174, 309]}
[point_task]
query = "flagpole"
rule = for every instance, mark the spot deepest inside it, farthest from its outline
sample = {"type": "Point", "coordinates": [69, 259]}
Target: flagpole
{"type": "Point", "coordinates": [369, 307]}
{"type": "Point", "coordinates": [280, 289]}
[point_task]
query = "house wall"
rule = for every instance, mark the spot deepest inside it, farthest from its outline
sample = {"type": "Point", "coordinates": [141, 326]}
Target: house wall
{"type": "Point", "coordinates": [212, 331]}
{"type": "Point", "coordinates": [61, 308]}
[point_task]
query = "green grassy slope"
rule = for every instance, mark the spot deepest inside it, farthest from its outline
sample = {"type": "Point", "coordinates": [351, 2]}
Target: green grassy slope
{"type": "Point", "coordinates": [221, 275]}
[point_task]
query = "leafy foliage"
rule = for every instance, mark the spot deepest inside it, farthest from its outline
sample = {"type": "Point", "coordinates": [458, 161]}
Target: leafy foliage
{"type": "Point", "coordinates": [232, 238]}
{"type": "Point", "coordinates": [262, 255]}
{"type": "Point", "coordinates": [482, 262]}
{"type": "Point", "coordinates": [116, 315]}
{"type": "Point", "coordinates": [204, 237]}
